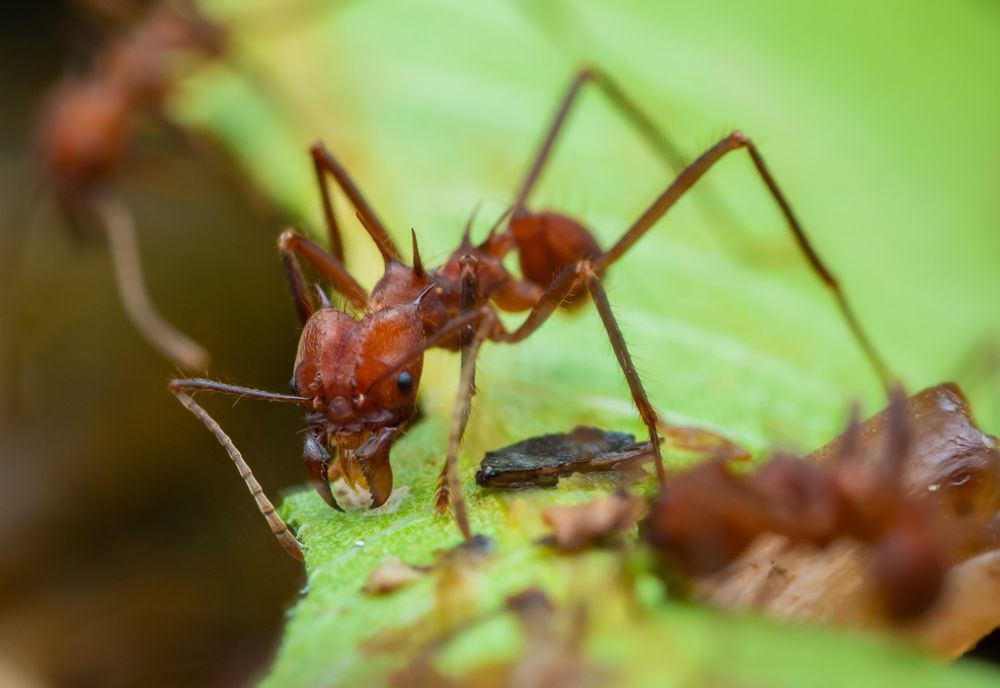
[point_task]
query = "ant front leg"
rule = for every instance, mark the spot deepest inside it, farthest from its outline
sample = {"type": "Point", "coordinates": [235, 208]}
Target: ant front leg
{"type": "Point", "coordinates": [450, 482]}
{"type": "Point", "coordinates": [291, 244]}
{"type": "Point", "coordinates": [180, 388]}
{"type": "Point", "coordinates": [449, 487]}
{"type": "Point", "coordinates": [690, 176]}
{"type": "Point", "coordinates": [324, 163]}
{"type": "Point", "coordinates": [560, 287]}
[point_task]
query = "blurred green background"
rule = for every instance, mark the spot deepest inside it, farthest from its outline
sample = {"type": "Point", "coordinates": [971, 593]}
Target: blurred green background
{"type": "Point", "coordinates": [122, 516]}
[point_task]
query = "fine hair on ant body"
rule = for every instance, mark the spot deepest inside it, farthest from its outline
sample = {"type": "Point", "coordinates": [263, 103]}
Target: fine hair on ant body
{"type": "Point", "coordinates": [357, 376]}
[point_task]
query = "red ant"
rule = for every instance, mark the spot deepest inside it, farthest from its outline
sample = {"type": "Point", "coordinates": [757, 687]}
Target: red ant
{"type": "Point", "coordinates": [357, 377]}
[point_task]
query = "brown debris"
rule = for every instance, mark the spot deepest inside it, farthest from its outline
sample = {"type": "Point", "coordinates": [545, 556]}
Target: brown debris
{"type": "Point", "coordinates": [553, 654]}
{"type": "Point", "coordinates": [542, 461]}
{"type": "Point", "coordinates": [891, 524]}
{"type": "Point", "coordinates": [391, 575]}
{"type": "Point", "coordinates": [578, 526]}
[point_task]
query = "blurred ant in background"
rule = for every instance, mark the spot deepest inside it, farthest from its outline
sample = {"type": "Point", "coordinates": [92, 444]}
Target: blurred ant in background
{"type": "Point", "coordinates": [88, 123]}
{"type": "Point", "coordinates": [84, 130]}
{"type": "Point", "coordinates": [357, 375]}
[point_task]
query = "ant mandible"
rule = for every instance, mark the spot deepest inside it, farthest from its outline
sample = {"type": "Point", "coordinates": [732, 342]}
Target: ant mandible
{"type": "Point", "coordinates": [357, 377]}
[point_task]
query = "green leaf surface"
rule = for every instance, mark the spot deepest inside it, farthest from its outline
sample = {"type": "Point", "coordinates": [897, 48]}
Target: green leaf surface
{"type": "Point", "coordinates": [875, 120]}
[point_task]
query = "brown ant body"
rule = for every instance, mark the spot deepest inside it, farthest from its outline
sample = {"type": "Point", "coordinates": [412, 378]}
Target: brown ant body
{"type": "Point", "coordinates": [84, 131]}
{"type": "Point", "coordinates": [357, 377]}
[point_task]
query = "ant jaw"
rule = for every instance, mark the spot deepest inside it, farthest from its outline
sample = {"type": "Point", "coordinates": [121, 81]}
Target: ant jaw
{"type": "Point", "coordinates": [317, 461]}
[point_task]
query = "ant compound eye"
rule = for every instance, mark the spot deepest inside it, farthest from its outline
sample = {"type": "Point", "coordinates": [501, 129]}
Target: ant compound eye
{"type": "Point", "coordinates": [404, 383]}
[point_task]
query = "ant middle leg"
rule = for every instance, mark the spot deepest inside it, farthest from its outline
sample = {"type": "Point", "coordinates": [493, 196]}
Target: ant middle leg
{"type": "Point", "coordinates": [689, 176]}
{"type": "Point", "coordinates": [449, 489]}
{"type": "Point", "coordinates": [560, 287]}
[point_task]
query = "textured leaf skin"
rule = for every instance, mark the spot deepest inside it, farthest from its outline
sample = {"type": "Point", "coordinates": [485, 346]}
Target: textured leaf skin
{"type": "Point", "coordinates": [882, 135]}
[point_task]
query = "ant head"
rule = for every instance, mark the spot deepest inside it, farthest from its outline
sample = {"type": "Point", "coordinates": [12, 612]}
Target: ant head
{"type": "Point", "coordinates": [83, 133]}
{"type": "Point", "coordinates": [341, 363]}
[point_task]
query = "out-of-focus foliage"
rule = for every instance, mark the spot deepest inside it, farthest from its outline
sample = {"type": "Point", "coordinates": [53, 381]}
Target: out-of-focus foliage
{"type": "Point", "coordinates": [873, 118]}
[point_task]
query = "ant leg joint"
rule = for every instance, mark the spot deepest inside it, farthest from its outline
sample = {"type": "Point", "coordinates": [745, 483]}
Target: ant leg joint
{"type": "Point", "coordinates": [286, 238]}
{"type": "Point", "coordinates": [585, 270]}
{"type": "Point", "coordinates": [740, 138]}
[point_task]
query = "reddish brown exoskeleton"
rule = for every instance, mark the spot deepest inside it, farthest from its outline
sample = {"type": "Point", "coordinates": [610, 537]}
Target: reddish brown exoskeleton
{"type": "Point", "coordinates": [357, 375]}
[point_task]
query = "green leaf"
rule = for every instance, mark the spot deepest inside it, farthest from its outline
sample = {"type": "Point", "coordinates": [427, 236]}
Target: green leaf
{"type": "Point", "coordinates": [873, 119]}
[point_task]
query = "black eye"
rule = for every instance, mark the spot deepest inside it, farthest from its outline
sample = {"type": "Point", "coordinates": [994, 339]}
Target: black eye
{"type": "Point", "coordinates": [404, 383]}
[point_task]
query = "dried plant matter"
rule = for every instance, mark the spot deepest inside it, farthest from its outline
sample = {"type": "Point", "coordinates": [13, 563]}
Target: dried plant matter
{"type": "Point", "coordinates": [578, 526]}
{"type": "Point", "coordinates": [946, 512]}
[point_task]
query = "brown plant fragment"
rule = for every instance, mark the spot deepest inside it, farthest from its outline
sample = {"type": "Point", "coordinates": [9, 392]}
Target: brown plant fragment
{"type": "Point", "coordinates": [542, 461]}
{"type": "Point", "coordinates": [603, 520]}
{"type": "Point", "coordinates": [391, 575]}
{"type": "Point", "coordinates": [552, 656]}
{"type": "Point", "coordinates": [944, 515]}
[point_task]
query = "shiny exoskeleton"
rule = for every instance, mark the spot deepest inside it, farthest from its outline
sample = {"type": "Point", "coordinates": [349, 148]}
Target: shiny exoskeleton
{"type": "Point", "coordinates": [357, 373]}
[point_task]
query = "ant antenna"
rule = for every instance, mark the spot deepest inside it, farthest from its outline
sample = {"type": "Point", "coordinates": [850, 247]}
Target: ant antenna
{"type": "Point", "coordinates": [418, 265]}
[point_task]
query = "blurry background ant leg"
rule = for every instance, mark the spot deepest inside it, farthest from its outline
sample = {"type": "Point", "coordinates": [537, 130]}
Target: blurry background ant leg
{"type": "Point", "coordinates": [292, 244]}
{"type": "Point", "coordinates": [450, 483]}
{"type": "Point", "coordinates": [120, 228]}
{"type": "Point", "coordinates": [325, 163]}
{"type": "Point", "coordinates": [274, 521]}
{"type": "Point", "coordinates": [690, 176]}
{"type": "Point", "coordinates": [17, 224]}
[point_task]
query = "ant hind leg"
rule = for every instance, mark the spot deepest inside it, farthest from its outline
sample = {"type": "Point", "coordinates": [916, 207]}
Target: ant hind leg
{"type": "Point", "coordinates": [690, 175]}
